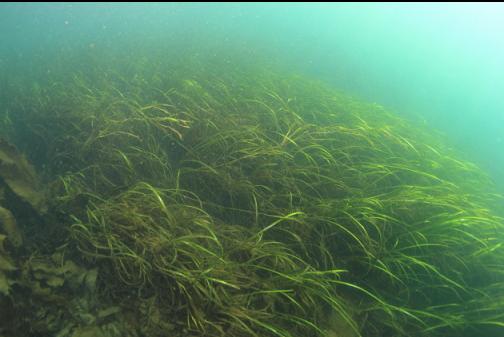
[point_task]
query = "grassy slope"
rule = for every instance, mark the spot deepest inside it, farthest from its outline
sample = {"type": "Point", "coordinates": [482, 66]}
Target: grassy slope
{"type": "Point", "coordinates": [237, 199]}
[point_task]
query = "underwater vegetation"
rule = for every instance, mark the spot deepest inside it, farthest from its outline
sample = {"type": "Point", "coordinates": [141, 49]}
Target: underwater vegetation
{"type": "Point", "coordinates": [197, 196]}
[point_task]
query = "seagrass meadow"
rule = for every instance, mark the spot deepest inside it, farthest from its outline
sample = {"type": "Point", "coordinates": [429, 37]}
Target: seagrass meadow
{"type": "Point", "coordinates": [197, 195]}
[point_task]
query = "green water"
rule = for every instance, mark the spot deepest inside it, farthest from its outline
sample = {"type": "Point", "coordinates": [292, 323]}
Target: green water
{"type": "Point", "coordinates": [441, 62]}
{"type": "Point", "coordinates": [251, 170]}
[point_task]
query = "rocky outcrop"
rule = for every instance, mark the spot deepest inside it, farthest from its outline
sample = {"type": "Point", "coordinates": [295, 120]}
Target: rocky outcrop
{"type": "Point", "coordinates": [19, 192]}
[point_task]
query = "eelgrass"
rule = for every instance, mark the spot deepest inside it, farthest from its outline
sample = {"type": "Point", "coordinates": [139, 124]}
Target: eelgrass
{"type": "Point", "coordinates": [241, 202]}
{"type": "Point", "coordinates": [222, 279]}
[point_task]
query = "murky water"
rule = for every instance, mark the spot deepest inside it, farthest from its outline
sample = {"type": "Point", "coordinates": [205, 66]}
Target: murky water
{"type": "Point", "coordinates": [251, 170]}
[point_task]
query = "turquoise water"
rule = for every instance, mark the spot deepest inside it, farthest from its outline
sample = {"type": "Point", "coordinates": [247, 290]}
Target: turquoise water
{"type": "Point", "coordinates": [441, 62]}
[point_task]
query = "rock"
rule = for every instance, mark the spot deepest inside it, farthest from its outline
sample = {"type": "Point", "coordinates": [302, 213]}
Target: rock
{"type": "Point", "coordinates": [10, 227]}
{"type": "Point", "coordinates": [19, 175]}
{"type": "Point", "coordinates": [19, 193]}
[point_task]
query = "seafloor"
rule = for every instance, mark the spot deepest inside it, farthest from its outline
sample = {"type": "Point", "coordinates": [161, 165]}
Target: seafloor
{"type": "Point", "coordinates": [166, 194]}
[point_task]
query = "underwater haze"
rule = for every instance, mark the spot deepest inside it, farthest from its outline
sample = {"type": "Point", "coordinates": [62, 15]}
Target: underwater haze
{"type": "Point", "coordinates": [251, 169]}
{"type": "Point", "coordinates": [439, 62]}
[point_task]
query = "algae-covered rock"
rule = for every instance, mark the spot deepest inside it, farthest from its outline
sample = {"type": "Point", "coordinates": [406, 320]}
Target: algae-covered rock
{"type": "Point", "coordinates": [62, 300]}
{"type": "Point", "coordinates": [19, 175]}
{"type": "Point", "coordinates": [10, 227]}
{"type": "Point", "coordinates": [6, 266]}
{"type": "Point", "coordinates": [49, 278]}
{"type": "Point", "coordinates": [19, 192]}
